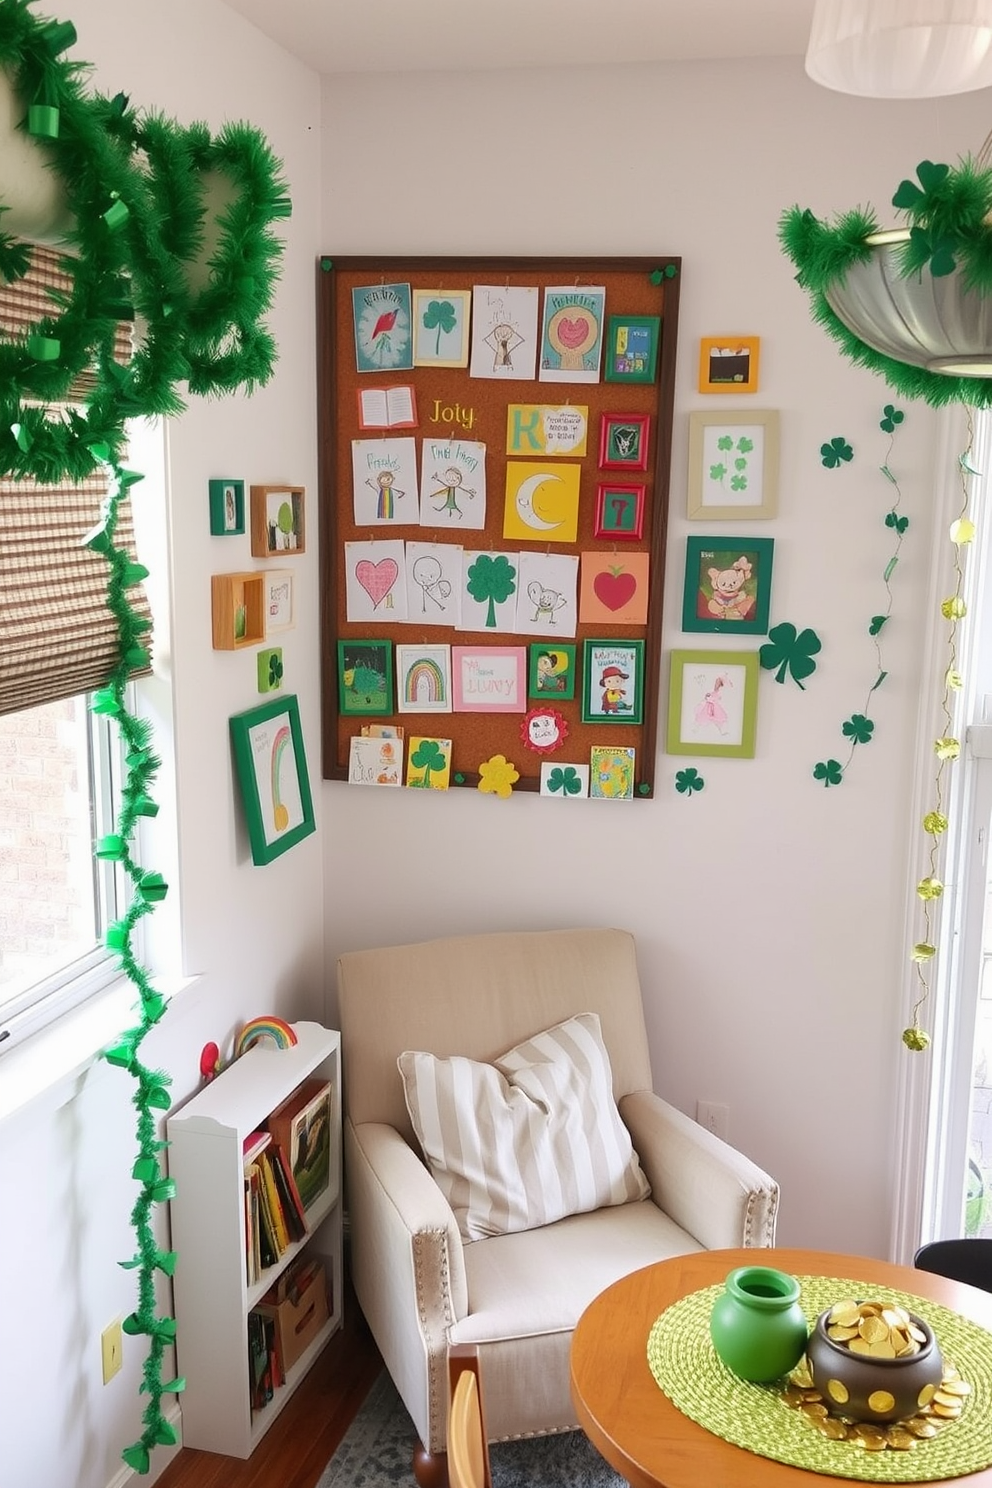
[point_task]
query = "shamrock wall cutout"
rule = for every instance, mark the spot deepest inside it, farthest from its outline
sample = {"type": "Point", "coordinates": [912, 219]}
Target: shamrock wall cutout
{"type": "Point", "coordinates": [837, 450]}
{"type": "Point", "coordinates": [687, 781]}
{"type": "Point", "coordinates": [791, 652]}
{"type": "Point", "coordinates": [891, 416]}
{"type": "Point", "coordinates": [858, 729]}
{"type": "Point", "coordinates": [829, 771]}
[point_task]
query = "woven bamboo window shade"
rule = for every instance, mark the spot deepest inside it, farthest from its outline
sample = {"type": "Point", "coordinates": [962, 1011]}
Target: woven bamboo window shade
{"type": "Point", "coordinates": [57, 636]}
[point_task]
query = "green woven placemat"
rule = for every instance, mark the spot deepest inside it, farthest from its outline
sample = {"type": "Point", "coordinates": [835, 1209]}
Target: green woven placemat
{"type": "Point", "coordinates": [685, 1365]}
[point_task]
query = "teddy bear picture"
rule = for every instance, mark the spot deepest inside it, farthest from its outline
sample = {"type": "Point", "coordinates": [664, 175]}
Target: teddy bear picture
{"type": "Point", "coordinates": [727, 584]}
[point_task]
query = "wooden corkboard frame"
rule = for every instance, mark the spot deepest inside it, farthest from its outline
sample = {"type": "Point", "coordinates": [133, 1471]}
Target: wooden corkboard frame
{"type": "Point", "coordinates": [634, 286]}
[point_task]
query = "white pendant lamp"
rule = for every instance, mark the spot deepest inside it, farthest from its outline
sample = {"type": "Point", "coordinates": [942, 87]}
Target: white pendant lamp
{"type": "Point", "coordinates": [901, 48]}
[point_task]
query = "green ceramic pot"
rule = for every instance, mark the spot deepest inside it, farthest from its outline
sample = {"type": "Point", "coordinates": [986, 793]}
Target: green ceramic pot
{"type": "Point", "coordinates": [757, 1326]}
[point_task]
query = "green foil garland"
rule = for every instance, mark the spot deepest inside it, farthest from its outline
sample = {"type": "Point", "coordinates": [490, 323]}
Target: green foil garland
{"type": "Point", "coordinates": [135, 187]}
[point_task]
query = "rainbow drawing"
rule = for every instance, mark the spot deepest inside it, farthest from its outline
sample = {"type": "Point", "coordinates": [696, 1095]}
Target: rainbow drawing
{"type": "Point", "coordinates": [282, 1034]}
{"type": "Point", "coordinates": [280, 813]}
{"type": "Point", "coordinates": [424, 682]}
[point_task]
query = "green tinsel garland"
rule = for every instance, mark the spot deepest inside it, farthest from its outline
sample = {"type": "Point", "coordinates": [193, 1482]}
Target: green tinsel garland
{"type": "Point", "coordinates": [948, 232]}
{"type": "Point", "coordinates": [134, 185]}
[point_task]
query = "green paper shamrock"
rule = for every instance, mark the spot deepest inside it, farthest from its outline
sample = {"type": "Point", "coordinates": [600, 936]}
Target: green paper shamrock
{"type": "Point", "coordinates": [790, 651]}
{"type": "Point", "coordinates": [890, 417]}
{"type": "Point", "coordinates": [564, 778]}
{"type": "Point", "coordinates": [668, 272]}
{"type": "Point", "coordinates": [829, 771]}
{"type": "Point", "coordinates": [687, 781]}
{"type": "Point", "coordinates": [858, 729]}
{"type": "Point", "coordinates": [900, 524]}
{"type": "Point", "coordinates": [837, 450]}
{"type": "Point", "coordinates": [275, 672]}
{"type": "Point", "coordinates": [877, 621]}
{"type": "Point", "coordinates": [912, 198]}
{"type": "Point", "coordinates": [933, 251]}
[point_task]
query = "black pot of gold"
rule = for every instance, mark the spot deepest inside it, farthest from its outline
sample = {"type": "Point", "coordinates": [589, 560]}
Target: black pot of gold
{"type": "Point", "coordinates": [874, 1361]}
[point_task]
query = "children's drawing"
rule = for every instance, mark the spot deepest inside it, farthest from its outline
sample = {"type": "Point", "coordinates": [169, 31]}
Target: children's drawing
{"type": "Point", "coordinates": [552, 671]}
{"type": "Point", "coordinates": [453, 484]}
{"type": "Point", "coordinates": [383, 342]}
{"type": "Point", "coordinates": [375, 580]}
{"type": "Point", "coordinates": [489, 586]}
{"type": "Point", "coordinates": [542, 429]}
{"type": "Point", "coordinates": [546, 592]}
{"type": "Point", "coordinates": [490, 679]}
{"type": "Point", "coordinates": [611, 773]}
{"type": "Point", "coordinates": [613, 682]}
{"type": "Point", "coordinates": [440, 327]}
{"type": "Point", "coordinates": [713, 703]}
{"type": "Point", "coordinates": [567, 782]}
{"type": "Point", "coordinates": [732, 464]}
{"type": "Point", "coordinates": [384, 476]}
{"type": "Point", "coordinates": [614, 589]}
{"type": "Point", "coordinates": [504, 332]}
{"type": "Point", "coordinates": [429, 763]}
{"type": "Point", "coordinates": [375, 762]}
{"type": "Point", "coordinates": [423, 679]}
{"type": "Point", "coordinates": [543, 729]}
{"type": "Point", "coordinates": [433, 583]}
{"type": "Point", "coordinates": [572, 333]}
{"type": "Point", "coordinates": [542, 501]}
{"type": "Point", "coordinates": [365, 677]}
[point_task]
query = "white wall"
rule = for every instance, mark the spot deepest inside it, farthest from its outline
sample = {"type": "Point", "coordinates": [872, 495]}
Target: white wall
{"type": "Point", "coordinates": [254, 936]}
{"type": "Point", "coordinates": [768, 910]}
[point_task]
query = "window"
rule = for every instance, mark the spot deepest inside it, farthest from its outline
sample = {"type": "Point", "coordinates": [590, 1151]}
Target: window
{"type": "Point", "coordinates": [59, 781]}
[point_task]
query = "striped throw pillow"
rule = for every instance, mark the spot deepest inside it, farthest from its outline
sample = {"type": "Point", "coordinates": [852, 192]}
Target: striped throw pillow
{"type": "Point", "coordinates": [528, 1139]}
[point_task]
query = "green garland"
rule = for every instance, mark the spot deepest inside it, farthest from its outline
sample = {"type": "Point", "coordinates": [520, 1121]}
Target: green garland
{"type": "Point", "coordinates": [948, 233]}
{"type": "Point", "coordinates": [135, 187]}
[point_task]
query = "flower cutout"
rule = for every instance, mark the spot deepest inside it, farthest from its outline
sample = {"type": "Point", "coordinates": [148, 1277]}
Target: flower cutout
{"type": "Point", "coordinates": [837, 450]}
{"type": "Point", "coordinates": [891, 416]}
{"type": "Point", "coordinates": [829, 771]}
{"type": "Point", "coordinates": [790, 651]}
{"type": "Point", "coordinates": [859, 729]}
{"type": "Point", "coordinates": [564, 778]}
{"type": "Point", "coordinates": [687, 781]}
{"type": "Point", "coordinates": [497, 776]}
{"type": "Point", "coordinates": [892, 519]}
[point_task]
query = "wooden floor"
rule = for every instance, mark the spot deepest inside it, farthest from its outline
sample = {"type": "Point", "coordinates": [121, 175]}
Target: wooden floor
{"type": "Point", "coordinates": [297, 1447]}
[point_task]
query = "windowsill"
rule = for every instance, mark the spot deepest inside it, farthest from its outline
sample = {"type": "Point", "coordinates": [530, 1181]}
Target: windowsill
{"type": "Point", "coordinates": [52, 1062]}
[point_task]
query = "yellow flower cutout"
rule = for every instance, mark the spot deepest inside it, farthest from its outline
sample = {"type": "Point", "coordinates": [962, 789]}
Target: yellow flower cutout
{"type": "Point", "coordinates": [496, 776]}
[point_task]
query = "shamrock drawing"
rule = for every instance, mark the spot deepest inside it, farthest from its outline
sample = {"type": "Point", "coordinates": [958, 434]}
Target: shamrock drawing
{"type": "Point", "coordinates": [891, 416]}
{"type": "Point", "coordinates": [564, 778]}
{"type": "Point", "coordinates": [858, 729]}
{"type": "Point", "coordinates": [790, 651]}
{"type": "Point", "coordinates": [687, 781]}
{"type": "Point", "coordinates": [829, 771]}
{"type": "Point", "coordinates": [275, 672]}
{"type": "Point", "coordinates": [837, 450]}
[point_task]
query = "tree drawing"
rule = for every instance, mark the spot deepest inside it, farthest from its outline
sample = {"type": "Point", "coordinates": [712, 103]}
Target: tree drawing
{"type": "Point", "coordinates": [440, 313]}
{"type": "Point", "coordinates": [492, 579]}
{"type": "Point", "coordinates": [427, 756]}
{"type": "Point", "coordinates": [284, 519]}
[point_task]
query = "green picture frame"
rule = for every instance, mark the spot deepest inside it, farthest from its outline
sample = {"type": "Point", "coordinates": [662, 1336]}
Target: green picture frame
{"type": "Point", "coordinates": [227, 507]}
{"type": "Point", "coordinates": [630, 353]}
{"type": "Point", "coordinates": [551, 670]}
{"type": "Point", "coordinates": [365, 678]}
{"type": "Point", "coordinates": [713, 703]}
{"type": "Point", "coordinates": [728, 585]}
{"type": "Point", "coordinates": [271, 766]}
{"type": "Point", "coordinates": [612, 681]}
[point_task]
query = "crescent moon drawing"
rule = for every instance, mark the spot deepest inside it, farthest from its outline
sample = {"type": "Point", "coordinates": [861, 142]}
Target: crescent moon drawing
{"type": "Point", "coordinates": [525, 501]}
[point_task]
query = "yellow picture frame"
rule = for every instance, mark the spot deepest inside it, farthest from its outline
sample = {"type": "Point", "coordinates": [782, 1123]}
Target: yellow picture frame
{"type": "Point", "coordinates": [729, 364]}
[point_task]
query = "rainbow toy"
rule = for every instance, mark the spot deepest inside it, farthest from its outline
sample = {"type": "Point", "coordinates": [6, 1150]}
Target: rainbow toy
{"type": "Point", "coordinates": [282, 1034]}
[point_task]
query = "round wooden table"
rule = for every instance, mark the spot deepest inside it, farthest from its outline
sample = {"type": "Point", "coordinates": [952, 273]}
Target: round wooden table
{"type": "Point", "coordinates": [637, 1428]}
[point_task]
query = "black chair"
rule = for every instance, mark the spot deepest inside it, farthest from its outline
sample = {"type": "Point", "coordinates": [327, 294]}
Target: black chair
{"type": "Point", "coordinates": [969, 1261]}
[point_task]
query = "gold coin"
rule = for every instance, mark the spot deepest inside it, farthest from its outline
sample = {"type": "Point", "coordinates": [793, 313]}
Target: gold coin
{"type": "Point", "coordinates": [899, 1438]}
{"type": "Point", "coordinates": [920, 1427]}
{"type": "Point", "coordinates": [872, 1329]}
{"type": "Point", "coordinates": [955, 1387]}
{"type": "Point", "coordinates": [801, 1374]}
{"type": "Point", "coordinates": [838, 1391]}
{"type": "Point", "coordinates": [830, 1426]}
{"type": "Point", "coordinates": [859, 1346]}
{"type": "Point", "coordinates": [881, 1349]}
{"type": "Point", "coordinates": [926, 1394]}
{"type": "Point", "coordinates": [813, 1409]}
{"type": "Point", "coordinates": [917, 1333]}
{"type": "Point", "coordinates": [793, 1397]}
{"type": "Point", "coordinates": [895, 1317]}
{"type": "Point", "coordinates": [842, 1331]}
{"type": "Point", "coordinates": [881, 1401]}
{"type": "Point", "coordinates": [948, 1412]}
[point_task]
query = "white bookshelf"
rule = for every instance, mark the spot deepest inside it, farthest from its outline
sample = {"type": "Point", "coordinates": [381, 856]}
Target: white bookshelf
{"type": "Point", "coordinates": [212, 1296]}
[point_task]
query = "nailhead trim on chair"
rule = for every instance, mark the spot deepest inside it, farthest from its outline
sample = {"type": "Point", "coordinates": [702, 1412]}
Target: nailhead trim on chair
{"type": "Point", "coordinates": [430, 1264]}
{"type": "Point", "coordinates": [763, 1207]}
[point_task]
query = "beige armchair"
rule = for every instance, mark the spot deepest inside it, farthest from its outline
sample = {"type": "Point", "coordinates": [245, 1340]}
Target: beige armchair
{"type": "Point", "coordinates": [516, 1296]}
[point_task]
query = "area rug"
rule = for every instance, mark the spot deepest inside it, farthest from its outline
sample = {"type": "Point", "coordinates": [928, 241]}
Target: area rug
{"type": "Point", "coordinates": [377, 1452]}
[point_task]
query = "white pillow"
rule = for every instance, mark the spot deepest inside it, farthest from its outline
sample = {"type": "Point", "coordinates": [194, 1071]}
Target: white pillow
{"type": "Point", "coordinates": [528, 1139]}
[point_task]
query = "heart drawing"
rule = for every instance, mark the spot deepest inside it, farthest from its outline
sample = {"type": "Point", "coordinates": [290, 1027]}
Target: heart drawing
{"type": "Point", "coordinates": [573, 333]}
{"type": "Point", "coordinates": [614, 589]}
{"type": "Point", "coordinates": [377, 578]}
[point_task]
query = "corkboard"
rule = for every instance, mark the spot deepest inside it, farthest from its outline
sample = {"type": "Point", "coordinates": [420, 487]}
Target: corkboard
{"type": "Point", "coordinates": [446, 397]}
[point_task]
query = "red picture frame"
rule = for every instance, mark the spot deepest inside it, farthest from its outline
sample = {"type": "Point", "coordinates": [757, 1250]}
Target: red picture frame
{"type": "Point", "coordinates": [619, 511]}
{"type": "Point", "coordinates": [623, 441]}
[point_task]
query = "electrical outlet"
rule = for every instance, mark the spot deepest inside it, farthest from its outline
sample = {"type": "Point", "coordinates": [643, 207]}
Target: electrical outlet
{"type": "Point", "coordinates": [715, 1117]}
{"type": "Point", "coordinates": [111, 1349]}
